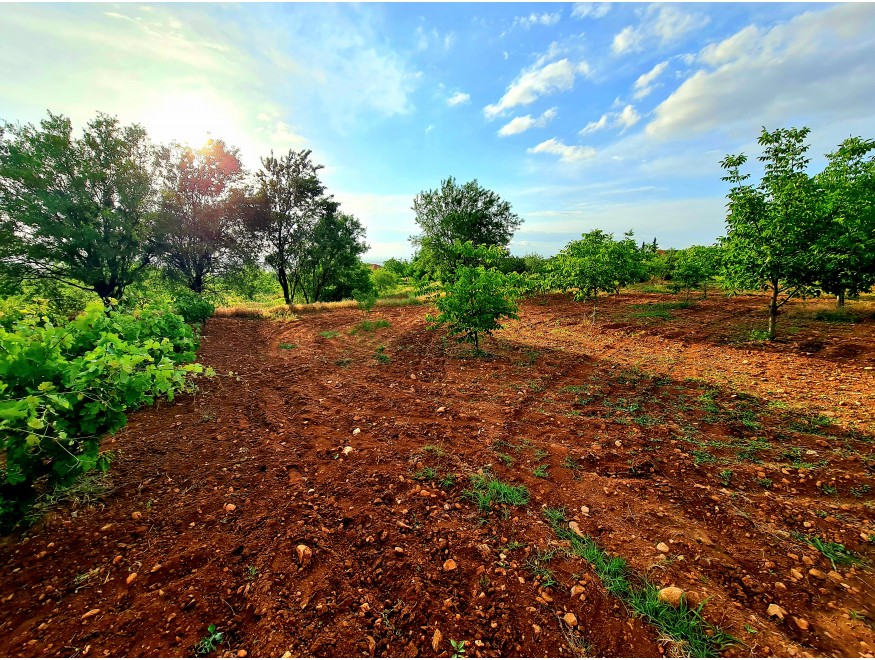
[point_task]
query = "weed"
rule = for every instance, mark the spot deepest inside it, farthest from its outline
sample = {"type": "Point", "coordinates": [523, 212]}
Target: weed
{"type": "Point", "coordinates": [749, 628]}
{"type": "Point", "coordinates": [329, 334]}
{"type": "Point", "coordinates": [380, 355]}
{"type": "Point", "coordinates": [506, 459]}
{"type": "Point", "coordinates": [537, 564]}
{"type": "Point", "coordinates": [425, 474]}
{"type": "Point", "coordinates": [541, 453]}
{"type": "Point", "coordinates": [836, 316]}
{"type": "Point", "coordinates": [765, 482]}
{"type": "Point", "coordinates": [829, 489]}
{"type": "Point", "coordinates": [701, 456]}
{"type": "Point", "coordinates": [759, 335]}
{"type": "Point", "coordinates": [725, 477]}
{"type": "Point", "coordinates": [369, 326]}
{"type": "Point", "coordinates": [448, 481]}
{"type": "Point", "coordinates": [658, 310]}
{"type": "Point", "coordinates": [458, 649]}
{"type": "Point", "coordinates": [251, 572]}
{"type": "Point", "coordinates": [344, 362]}
{"type": "Point", "coordinates": [570, 463]}
{"type": "Point", "coordinates": [542, 471]}
{"type": "Point", "coordinates": [434, 449]}
{"type": "Point", "coordinates": [209, 643]}
{"type": "Point", "coordinates": [860, 491]}
{"type": "Point", "coordinates": [288, 347]}
{"type": "Point", "coordinates": [837, 553]}
{"type": "Point", "coordinates": [486, 491]}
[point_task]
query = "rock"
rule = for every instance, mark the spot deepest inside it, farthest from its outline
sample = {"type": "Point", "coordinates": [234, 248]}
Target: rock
{"type": "Point", "coordinates": [574, 527]}
{"type": "Point", "coordinates": [399, 550]}
{"type": "Point", "coordinates": [570, 620]}
{"type": "Point", "coordinates": [287, 654]}
{"type": "Point", "coordinates": [584, 510]}
{"type": "Point", "coordinates": [436, 640]}
{"type": "Point", "coordinates": [442, 409]}
{"type": "Point", "coordinates": [356, 431]}
{"type": "Point", "coordinates": [305, 554]}
{"type": "Point", "coordinates": [781, 586]}
{"type": "Point", "coordinates": [796, 573]}
{"type": "Point", "coordinates": [372, 646]}
{"type": "Point", "coordinates": [802, 624]}
{"type": "Point", "coordinates": [412, 376]}
{"type": "Point", "coordinates": [155, 568]}
{"type": "Point", "coordinates": [484, 551]}
{"type": "Point", "coordinates": [450, 565]}
{"type": "Point", "coordinates": [820, 575]}
{"type": "Point", "coordinates": [117, 559]}
{"type": "Point", "coordinates": [776, 610]}
{"type": "Point", "coordinates": [230, 507]}
{"type": "Point", "coordinates": [136, 515]}
{"type": "Point", "coordinates": [241, 653]}
{"type": "Point", "coordinates": [131, 578]}
{"type": "Point", "coordinates": [89, 614]}
{"type": "Point", "coordinates": [576, 590]}
{"type": "Point", "coordinates": [536, 628]}
{"type": "Point", "coordinates": [348, 450]}
{"type": "Point", "coordinates": [672, 596]}
{"type": "Point", "coordinates": [662, 547]}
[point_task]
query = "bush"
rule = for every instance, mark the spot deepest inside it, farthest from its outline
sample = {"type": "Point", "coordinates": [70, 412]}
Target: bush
{"type": "Point", "coordinates": [63, 387]}
{"type": "Point", "coordinates": [193, 307]}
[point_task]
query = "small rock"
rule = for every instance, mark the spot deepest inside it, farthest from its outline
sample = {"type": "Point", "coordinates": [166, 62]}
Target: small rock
{"type": "Point", "coordinates": [305, 554]}
{"type": "Point", "coordinates": [574, 527]}
{"type": "Point", "coordinates": [662, 547]}
{"type": "Point", "coordinates": [796, 573]}
{"type": "Point", "coordinates": [802, 624]}
{"type": "Point", "coordinates": [536, 628]}
{"type": "Point", "coordinates": [672, 596]}
{"type": "Point", "coordinates": [412, 376]}
{"type": "Point", "coordinates": [576, 590]}
{"type": "Point", "coordinates": [436, 640]}
{"type": "Point", "coordinates": [835, 576]}
{"type": "Point", "coordinates": [814, 572]}
{"type": "Point", "coordinates": [776, 610]}
{"type": "Point", "coordinates": [117, 559]}
{"type": "Point", "coordinates": [450, 565]}
{"type": "Point", "coordinates": [442, 409]}
{"type": "Point", "coordinates": [399, 550]}
{"type": "Point", "coordinates": [570, 619]}
{"type": "Point", "coordinates": [584, 510]}
{"type": "Point", "coordinates": [131, 578]}
{"type": "Point", "coordinates": [241, 653]}
{"type": "Point", "coordinates": [372, 646]}
{"type": "Point", "coordinates": [347, 450]}
{"type": "Point", "coordinates": [89, 614]}
{"type": "Point", "coordinates": [356, 431]}
{"type": "Point", "coordinates": [287, 654]}
{"type": "Point", "coordinates": [136, 515]}
{"type": "Point", "coordinates": [781, 586]}
{"type": "Point", "coordinates": [230, 507]}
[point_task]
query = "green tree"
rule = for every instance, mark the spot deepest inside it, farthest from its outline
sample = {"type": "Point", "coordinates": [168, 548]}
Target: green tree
{"type": "Point", "coordinates": [200, 232]}
{"type": "Point", "coordinates": [466, 213]}
{"type": "Point", "coordinates": [846, 189]}
{"type": "Point", "coordinates": [294, 202]}
{"type": "Point", "coordinates": [694, 267]}
{"type": "Point", "coordinates": [596, 263]}
{"type": "Point", "coordinates": [384, 279]}
{"type": "Point", "coordinates": [77, 210]}
{"type": "Point", "coordinates": [400, 267]}
{"type": "Point", "coordinates": [473, 300]}
{"type": "Point", "coordinates": [771, 228]}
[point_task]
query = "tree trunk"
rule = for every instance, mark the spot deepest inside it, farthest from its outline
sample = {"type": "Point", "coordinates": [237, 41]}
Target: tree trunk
{"type": "Point", "coordinates": [284, 283]}
{"type": "Point", "coordinates": [595, 299]}
{"type": "Point", "coordinates": [476, 345]}
{"type": "Point", "coordinates": [840, 299]}
{"type": "Point", "coordinates": [773, 312]}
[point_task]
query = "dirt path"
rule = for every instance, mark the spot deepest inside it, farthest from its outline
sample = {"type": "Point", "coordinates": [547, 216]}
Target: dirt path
{"type": "Point", "coordinates": [638, 421]}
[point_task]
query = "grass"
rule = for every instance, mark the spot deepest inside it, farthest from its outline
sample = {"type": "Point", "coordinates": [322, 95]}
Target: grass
{"type": "Point", "coordinates": [725, 477]}
{"type": "Point", "coordinates": [448, 481]}
{"type": "Point", "coordinates": [659, 310]}
{"type": "Point", "coordinates": [487, 491]}
{"type": "Point", "coordinates": [434, 449]}
{"type": "Point", "coordinates": [836, 316]}
{"type": "Point", "coordinates": [426, 474]}
{"type": "Point", "coordinates": [542, 471]}
{"type": "Point", "coordinates": [369, 326]}
{"type": "Point", "coordinates": [701, 456]}
{"type": "Point", "coordinates": [537, 564]}
{"type": "Point", "coordinates": [683, 626]}
{"type": "Point", "coordinates": [343, 362]}
{"type": "Point", "coordinates": [570, 463]}
{"type": "Point", "coordinates": [251, 572]}
{"type": "Point", "coordinates": [380, 355]}
{"type": "Point", "coordinates": [837, 553]}
{"type": "Point", "coordinates": [505, 458]}
{"type": "Point", "coordinates": [829, 489]}
{"type": "Point", "coordinates": [87, 489]}
{"type": "Point", "coordinates": [288, 347]}
{"type": "Point", "coordinates": [329, 334]}
{"type": "Point", "coordinates": [209, 643]}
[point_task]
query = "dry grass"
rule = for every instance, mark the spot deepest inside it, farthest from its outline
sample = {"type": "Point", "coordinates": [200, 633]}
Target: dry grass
{"type": "Point", "coordinates": [266, 311]}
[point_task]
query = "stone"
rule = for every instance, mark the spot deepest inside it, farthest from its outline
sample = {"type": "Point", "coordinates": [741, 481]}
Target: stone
{"type": "Point", "coordinates": [436, 640]}
{"type": "Point", "coordinates": [662, 547]}
{"type": "Point", "coordinates": [835, 576]}
{"type": "Point", "coordinates": [356, 431]}
{"type": "Point", "coordinates": [136, 515]}
{"type": "Point", "coordinates": [412, 376]}
{"type": "Point", "coordinates": [776, 610]}
{"type": "Point", "coordinates": [672, 596]}
{"type": "Point", "coordinates": [574, 527]}
{"type": "Point", "coordinates": [287, 654]}
{"type": "Point", "coordinates": [372, 645]}
{"type": "Point", "coordinates": [131, 578]}
{"type": "Point", "coordinates": [89, 614]}
{"type": "Point", "coordinates": [348, 450]}
{"type": "Point", "coordinates": [781, 586]}
{"type": "Point", "coordinates": [814, 572]}
{"type": "Point", "coordinates": [230, 507]}
{"type": "Point", "coordinates": [584, 510]}
{"type": "Point", "coordinates": [442, 409]}
{"type": "Point", "coordinates": [576, 590]}
{"type": "Point", "coordinates": [241, 653]}
{"type": "Point", "coordinates": [570, 620]}
{"type": "Point", "coordinates": [796, 574]}
{"type": "Point", "coordinates": [802, 624]}
{"type": "Point", "coordinates": [450, 565]}
{"type": "Point", "coordinates": [305, 554]}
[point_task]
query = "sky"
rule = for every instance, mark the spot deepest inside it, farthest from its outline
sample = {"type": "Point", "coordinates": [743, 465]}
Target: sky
{"type": "Point", "coordinates": [588, 115]}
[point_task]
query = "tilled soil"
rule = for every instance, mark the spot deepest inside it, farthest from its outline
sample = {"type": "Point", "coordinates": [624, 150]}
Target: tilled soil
{"type": "Point", "coordinates": [736, 455]}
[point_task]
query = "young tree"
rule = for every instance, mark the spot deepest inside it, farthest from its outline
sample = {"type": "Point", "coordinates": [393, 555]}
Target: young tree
{"type": "Point", "coordinates": [596, 263]}
{"type": "Point", "coordinates": [294, 200]}
{"type": "Point", "coordinates": [466, 213]}
{"type": "Point", "coordinates": [694, 267]}
{"type": "Point", "coordinates": [846, 189]}
{"type": "Point", "coordinates": [199, 228]}
{"type": "Point", "coordinates": [77, 210]}
{"type": "Point", "coordinates": [384, 279]}
{"type": "Point", "coordinates": [474, 299]}
{"type": "Point", "coordinates": [772, 228]}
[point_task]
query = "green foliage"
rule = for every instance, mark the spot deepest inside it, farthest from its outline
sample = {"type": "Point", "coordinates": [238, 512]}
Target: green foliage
{"type": "Point", "coordinates": [695, 267]}
{"type": "Point", "coordinates": [64, 386]}
{"type": "Point", "coordinates": [398, 267]}
{"type": "Point", "coordinates": [596, 263]}
{"type": "Point", "coordinates": [380, 355]}
{"type": "Point", "coordinates": [76, 209]}
{"type": "Point", "coordinates": [365, 299]}
{"type": "Point", "coordinates": [487, 491]}
{"type": "Point", "coordinates": [384, 279]}
{"type": "Point", "coordinates": [193, 307]}
{"type": "Point", "coordinates": [475, 299]}
{"type": "Point", "coordinates": [837, 553]}
{"type": "Point", "coordinates": [369, 326]}
{"type": "Point", "coordinates": [459, 213]}
{"type": "Point", "coordinates": [542, 471]}
{"type": "Point", "coordinates": [210, 641]}
{"type": "Point", "coordinates": [458, 649]}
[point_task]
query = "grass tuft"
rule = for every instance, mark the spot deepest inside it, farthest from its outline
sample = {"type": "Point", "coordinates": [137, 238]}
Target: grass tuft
{"type": "Point", "coordinates": [486, 491]}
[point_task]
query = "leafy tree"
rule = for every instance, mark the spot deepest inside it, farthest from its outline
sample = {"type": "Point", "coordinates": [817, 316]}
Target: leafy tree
{"type": "Point", "coordinates": [846, 189]}
{"type": "Point", "coordinates": [400, 267]}
{"type": "Point", "coordinates": [200, 229]}
{"type": "Point", "coordinates": [596, 263]}
{"type": "Point", "coordinates": [694, 267]}
{"type": "Point", "coordinates": [384, 279]}
{"type": "Point", "coordinates": [294, 201]}
{"type": "Point", "coordinates": [466, 213]}
{"type": "Point", "coordinates": [474, 299]}
{"type": "Point", "coordinates": [772, 227]}
{"type": "Point", "coordinates": [76, 210]}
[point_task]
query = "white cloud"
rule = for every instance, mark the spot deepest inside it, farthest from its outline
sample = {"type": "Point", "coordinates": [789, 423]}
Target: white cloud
{"type": "Point", "coordinates": [590, 9]}
{"type": "Point", "coordinates": [519, 125]}
{"type": "Point", "coordinates": [535, 82]}
{"type": "Point", "coordinates": [644, 84]}
{"type": "Point", "coordinates": [661, 25]}
{"type": "Point", "coordinates": [429, 128]}
{"type": "Point", "coordinates": [566, 153]}
{"type": "Point", "coordinates": [815, 66]}
{"type": "Point", "coordinates": [625, 118]}
{"type": "Point", "coordinates": [533, 19]}
{"type": "Point", "coordinates": [459, 98]}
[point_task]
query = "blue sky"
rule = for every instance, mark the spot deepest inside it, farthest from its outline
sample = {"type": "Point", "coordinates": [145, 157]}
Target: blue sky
{"type": "Point", "coordinates": [583, 116]}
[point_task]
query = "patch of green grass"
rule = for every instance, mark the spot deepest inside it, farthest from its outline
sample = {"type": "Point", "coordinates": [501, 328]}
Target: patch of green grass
{"type": "Point", "coordinates": [329, 334]}
{"type": "Point", "coordinates": [343, 362]}
{"type": "Point", "coordinates": [685, 626]}
{"type": "Point", "coordinates": [758, 335]}
{"type": "Point", "coordinates": [537, 564]}
{"type": "Point", "coordinates": [660, 310]}
{"type": "Point", "coordinates": [542, 471]}
{"type": "Point", "coordinates": [837, 553]}
{"type": "Point", "coordinates": [570, 463]}
{"type": "Point", "coordinates": [701, 456]}
{"type": "Point", "coordinates": [251, 572]}
{"type": "Point", "coordinates": [434, 449]}
{"type": "Point", "coordinates": [487, 491]}
{"type": "Point", "coordinates": [448, 481]}
{"type": "Point", "coordinates": [369, 326]}
{"type": "Point", "coordinates": [765, 482]}
{"type": "Point", "coordinates": [288, 347]}
{"type": "Point", "coordinates": [836, 316]}
{"type": "Point", "coordinates": [829, 489]}
{"type": "Point", "coordinates": [541, 453]}
{"type": "Point", "coordinates": [209, 642]}
{"type": "Point", "coordinates": [860, 491]}
{"type": "Point", "coordinates": [725, 477]}
{"type": "Point", "coordinates": [425, 474]}
{"type": "Point", "coordinates": [505, 458]}
{"type": "Point", "coordinates": [750, 449]}
{"type": "Point", "coordinates": [380, 355]}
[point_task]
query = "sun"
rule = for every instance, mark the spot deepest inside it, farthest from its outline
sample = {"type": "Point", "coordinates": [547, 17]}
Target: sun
{"type": "Point", "coordinates": [188, 118]}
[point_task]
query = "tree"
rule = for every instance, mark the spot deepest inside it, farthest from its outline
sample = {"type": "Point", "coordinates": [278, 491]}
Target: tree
{"type": "Point", "coordinates": [596, 263]}
{"type": "Point", "coordinates": [771, 228]}
{"type": "Point", "coordinates": [199, 227]}
{"type": "Point", "coordinates": [476, 298]}
{"type": "Point", "coordinates": [384, 279]}
{"type": "Point", "coordinates": [846, 189]}
{"type": "Point", "coordinates": [294, 201]}
{"type": "Point", "coordinates": [694, 267]}
{"type": "Point", "coordinates": [399, 267]}
{"type": "Point", "coordinates": [77, 210]}
{"type": "Point", "coordinates": [467, 213]}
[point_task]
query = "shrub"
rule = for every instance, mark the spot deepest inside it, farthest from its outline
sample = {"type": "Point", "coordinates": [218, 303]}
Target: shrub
{"type": "Point", "coordinates": [193, 307]}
